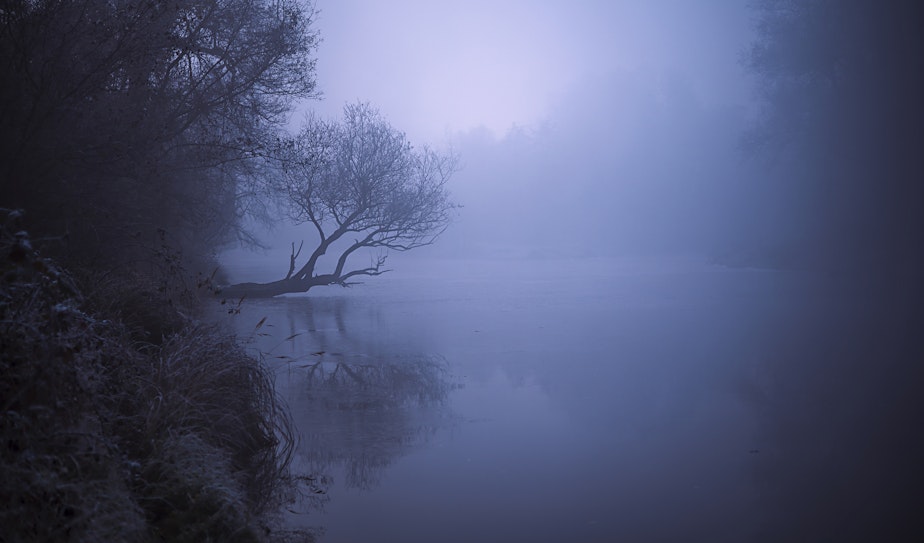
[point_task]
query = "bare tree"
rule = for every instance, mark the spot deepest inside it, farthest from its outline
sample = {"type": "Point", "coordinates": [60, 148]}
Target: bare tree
{"type": "Point", "coordinates": [359, 184]}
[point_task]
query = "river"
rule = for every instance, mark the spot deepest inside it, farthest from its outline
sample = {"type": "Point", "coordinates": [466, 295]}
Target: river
{"type": "Point", "coordinates": [531, 400]}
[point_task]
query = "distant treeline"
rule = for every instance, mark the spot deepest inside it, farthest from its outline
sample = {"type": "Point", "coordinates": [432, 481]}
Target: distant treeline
{"type": "Point", "coordinates": [841, 85]}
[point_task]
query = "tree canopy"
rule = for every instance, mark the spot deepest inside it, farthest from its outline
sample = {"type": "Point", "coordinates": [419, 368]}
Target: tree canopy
{"type": "Point", "coordinates": [359, 184]}
{"type": "Point", "coordinates": [121, 118]}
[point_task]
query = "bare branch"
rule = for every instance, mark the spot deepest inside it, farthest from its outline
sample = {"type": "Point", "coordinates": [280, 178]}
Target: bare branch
{"type": "Point", "coordinates": [293, 257]}
{"type": "Point", "coordinates": [361, 176]}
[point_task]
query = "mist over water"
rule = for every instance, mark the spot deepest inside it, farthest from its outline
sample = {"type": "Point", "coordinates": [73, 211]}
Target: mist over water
{"type": "Point", "coordinates": [631, 271]}
{"type": "Point", "coordinates": [586, 399]}
{"type": "Point", "coordinates": [667, 309]}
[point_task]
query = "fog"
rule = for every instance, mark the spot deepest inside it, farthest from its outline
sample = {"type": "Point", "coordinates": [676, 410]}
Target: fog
{"type": "Point", "coordinates": [630, 165]}
{"type": "Point", "coordinates": [589, 129]}
{"type": "Point", "coordinates": [682, 288]}
{"type": "Point", "coordinates": [640, 128]}
{"type": "Point", "coordinates": [496, 270]}
{"type": "Point", "coordinates": [440, 67]}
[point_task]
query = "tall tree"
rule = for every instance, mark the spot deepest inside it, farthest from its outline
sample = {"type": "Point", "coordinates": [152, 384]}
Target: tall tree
{"type": "Point", "coordinates": [358, 184]}
{"type": "Point", "coordinates": [118, 118]}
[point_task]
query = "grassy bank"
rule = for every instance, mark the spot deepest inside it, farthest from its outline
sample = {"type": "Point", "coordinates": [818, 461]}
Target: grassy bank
{"type": "Point", "coordinates": [123, 419]}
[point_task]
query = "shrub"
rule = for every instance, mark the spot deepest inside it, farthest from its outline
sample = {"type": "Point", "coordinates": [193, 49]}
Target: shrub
{"type": "Point", "coordinates": [107, 437]}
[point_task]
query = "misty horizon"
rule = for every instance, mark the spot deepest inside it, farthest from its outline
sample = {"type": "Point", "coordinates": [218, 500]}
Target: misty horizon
{"type": "Point", "coordinates": [350, 271]}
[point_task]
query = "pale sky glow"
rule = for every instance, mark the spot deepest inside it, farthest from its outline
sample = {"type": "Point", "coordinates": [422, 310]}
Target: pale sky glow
{"type": "Point", "coordinates": [437, 67]}
{"type": "Point", "coordinates": [607, 115]}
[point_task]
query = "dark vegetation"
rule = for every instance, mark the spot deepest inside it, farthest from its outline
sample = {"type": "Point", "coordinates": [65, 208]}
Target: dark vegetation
{"type": "Point", "coordinates": [841, 135]}
{"type": "Point", "coordinates": [840, 132]}
{"type": "Point", "coordinates": [126, 123]}
{"type": "Point", "coordinates": [137, 137]}
{"type": "Point", "coordinates": [110, 437]}
{"type": "Point", "coordinates": [133, 139]}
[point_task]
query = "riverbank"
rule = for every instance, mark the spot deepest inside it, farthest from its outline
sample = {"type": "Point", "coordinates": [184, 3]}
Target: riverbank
{"type": "Point", "coordinates": [125, 419]}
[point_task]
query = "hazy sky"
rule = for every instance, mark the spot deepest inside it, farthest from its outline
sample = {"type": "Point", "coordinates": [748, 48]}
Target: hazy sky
{"type": "Point", "coordinates": [631, 110]}
{"type": "Point", "coordinates": [435, 67]}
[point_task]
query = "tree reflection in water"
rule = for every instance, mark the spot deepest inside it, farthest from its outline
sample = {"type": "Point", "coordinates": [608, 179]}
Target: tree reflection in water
{"type": "Point", "coordinates": [361, 413]}
{"type": "Point", "coordinates": [360, 393]}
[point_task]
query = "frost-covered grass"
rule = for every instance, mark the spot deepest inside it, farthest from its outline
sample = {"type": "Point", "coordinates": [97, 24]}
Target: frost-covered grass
{"type": "Point", "coordinates": [123, 420]}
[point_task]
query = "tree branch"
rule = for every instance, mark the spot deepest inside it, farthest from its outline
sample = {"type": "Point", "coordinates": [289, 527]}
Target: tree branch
{"type": "Point", "coordinates": [293, 257]}
{"type": "Point", "coordinates": [372, 271]}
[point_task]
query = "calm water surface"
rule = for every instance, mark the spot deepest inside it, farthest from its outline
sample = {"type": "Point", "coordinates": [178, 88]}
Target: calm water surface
{"type": "Point", "coordinates": [559, 400]}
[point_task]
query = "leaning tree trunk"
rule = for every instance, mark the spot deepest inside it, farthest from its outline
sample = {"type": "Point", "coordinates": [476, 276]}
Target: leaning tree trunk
{"type": "Point", "coordinates": [304, 279]}
{"type": "Point", "coordinates": [266, 290]}
{"type": "Point", "coordinates": [296, 284]}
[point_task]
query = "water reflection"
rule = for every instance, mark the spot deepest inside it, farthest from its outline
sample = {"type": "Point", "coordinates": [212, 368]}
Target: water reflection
{"type": "Point", "coordinates": [839, 406]}
{"type": "Point", "coordinates": [361, 413]}
{"type": "Point", "coordinates": [626, 394]}
{"type": "Point", "coordinates": [359, 396]}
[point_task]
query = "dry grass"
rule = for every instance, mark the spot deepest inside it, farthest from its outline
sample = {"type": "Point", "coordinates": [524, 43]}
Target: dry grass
{"type": "Point", "coordinates": [111, 433]}
{"type": "Point", "coordinates": [227, 399]}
